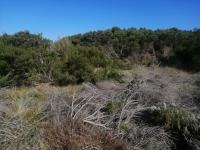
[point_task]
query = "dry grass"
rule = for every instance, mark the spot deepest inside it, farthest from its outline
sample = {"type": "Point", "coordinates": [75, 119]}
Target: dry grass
{"type": "Point", "coordinates": [91, 117]}
{"type": "Point", "coordinates": [19, 126]}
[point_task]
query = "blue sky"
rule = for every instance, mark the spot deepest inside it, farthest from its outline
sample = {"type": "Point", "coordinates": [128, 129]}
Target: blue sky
{"type": "Point", "coordinates": [57, 18]}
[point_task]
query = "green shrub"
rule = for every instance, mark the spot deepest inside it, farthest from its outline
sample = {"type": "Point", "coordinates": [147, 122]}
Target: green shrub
{"type": "Point", "coordinates": [64, 78]}
{"type": "Point", "coordinates": [112, 107]}
{"type": "Point", "coordinates": [114, 74]}
{"type": "Point", "coordinates": [99, 74]}
{"type": "Point", "coordinates": [124, 64]}
{"type": "Point", "coordinates": [107, 73]}
{"type": "Point", "coordinates": [32, 76]}
{"type": "Point", "coordinates": [25, 39]}
{"type": "Point", "coordinates": [4, 81]}
{"type": "Point", "coordinates": [80, 68]}
{"type": "Point", "coordinates": [177, 119]}
{"type": "Point", "coordinates": [84, 64]}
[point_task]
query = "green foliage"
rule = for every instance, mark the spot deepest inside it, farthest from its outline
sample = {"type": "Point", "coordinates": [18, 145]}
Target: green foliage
{"type": "Point", "coordinates": [112, 107]}
{"type": "Point", "coordinates": [178, 119]}
{"type": "Point", "coordinates": [114, 74]}
{"type": "Point", "coordinates": [26, 58]}
{"type": "Point", "coordinates": [63, 78]}
{"type": "Point", "coordinates": [17, 63]}
{"type": "Point", "coordinates": [4, 81]}
{"type": "Point", "coordinates": [25, 39]}
{"type": "Point", "coordinates": [122, 64]}
{"type": "Point", "coordinates": [148, 46]}
{"type": "Point", "coordinates": [81, 64]}
{"type": "Point", "coordinates": [18, 66]}
{"type": "Point", "coordinates": [107, 73]}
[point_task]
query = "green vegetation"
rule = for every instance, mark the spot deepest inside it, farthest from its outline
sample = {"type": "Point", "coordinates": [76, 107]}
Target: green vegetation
{"type": "Point", "coordinates": [80, 64]}
{"type": "Point", "coordinates": [112, 107]}
{"type": "Point", "coordinates": [175, 47]}
{"type": "Point", "coordinates": [27, 58]}
{"type": "Point", "coordinates": [17, 62]}
{"type": "Point", "coordinates": [178, 119]}
{"type": "Point", "coordinates": [183, 124]}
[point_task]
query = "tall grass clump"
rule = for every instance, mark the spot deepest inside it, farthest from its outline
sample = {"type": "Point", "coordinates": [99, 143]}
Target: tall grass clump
{"type": "Point", "coordinates": [177, 119]}
{"type": "Point", "coordinates": [184, 126]}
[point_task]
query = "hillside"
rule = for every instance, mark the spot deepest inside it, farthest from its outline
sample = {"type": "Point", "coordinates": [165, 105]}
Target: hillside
{"type": "Point", "coordinates": [117, 89]}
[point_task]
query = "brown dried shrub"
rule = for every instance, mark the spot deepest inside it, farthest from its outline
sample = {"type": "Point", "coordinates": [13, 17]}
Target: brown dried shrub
{"type": "Point", "coordinates": [74, 134]}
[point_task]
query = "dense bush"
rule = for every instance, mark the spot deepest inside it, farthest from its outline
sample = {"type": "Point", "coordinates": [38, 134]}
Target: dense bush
{"type": "Point", "coordinates": [169, 47]}
{"type": "Point", "coordinates": [18, 63]}
{"type": "Point", "coordinates": [84, 64]}
{"type": "Point", "coordinates": [25, 39]}
{"type": "Point", "coordinates": [27, 58]}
